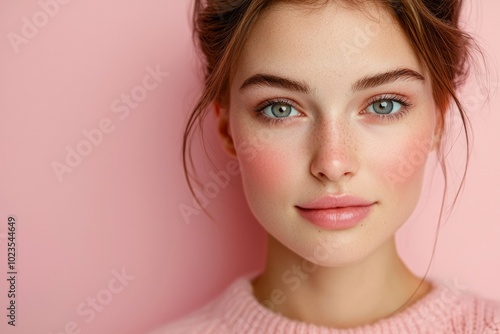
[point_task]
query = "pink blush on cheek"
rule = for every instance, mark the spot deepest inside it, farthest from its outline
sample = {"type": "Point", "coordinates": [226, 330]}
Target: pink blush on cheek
{"type": "Point", "coordinates": [268, 174]}
{"type": "Point", "coordinates": [406, 163]}
{"type": "Point", "coordinates": [265, 170]}
{"type": "Point", "coordinates": [263, 161]}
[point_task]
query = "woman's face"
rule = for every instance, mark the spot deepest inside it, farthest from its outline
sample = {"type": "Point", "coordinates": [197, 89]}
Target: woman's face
{"type": "Point", "coordinates": [329, 102]}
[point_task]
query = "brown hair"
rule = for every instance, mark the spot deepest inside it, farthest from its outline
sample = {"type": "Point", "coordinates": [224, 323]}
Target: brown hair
{"type": "Point", "coordinates": [431, 27]}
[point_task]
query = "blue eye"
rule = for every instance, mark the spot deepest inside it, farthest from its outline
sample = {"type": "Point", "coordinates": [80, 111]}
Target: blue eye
{"type": "Point", "coordinates": [385, 107]}
{"type": "Point", "coordinates": [279, 110]}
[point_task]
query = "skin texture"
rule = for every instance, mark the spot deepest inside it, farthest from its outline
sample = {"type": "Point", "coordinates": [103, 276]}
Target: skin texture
{"type": "Point", "coordinates": [331, 143]}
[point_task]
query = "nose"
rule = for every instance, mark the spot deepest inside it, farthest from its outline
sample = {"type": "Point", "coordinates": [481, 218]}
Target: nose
{"type": "Point", "coordinates": [334, 150]}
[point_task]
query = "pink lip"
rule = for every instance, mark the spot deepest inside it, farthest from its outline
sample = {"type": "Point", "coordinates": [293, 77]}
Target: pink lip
{"type": "Point", "coordinates": [336, 212]}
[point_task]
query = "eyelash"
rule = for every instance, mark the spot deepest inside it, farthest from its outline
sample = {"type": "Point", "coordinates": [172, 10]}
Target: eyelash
{"type": "Point", "coordinates": [274, 121]}
{"type": "Point", "coordinates": [405, 108]}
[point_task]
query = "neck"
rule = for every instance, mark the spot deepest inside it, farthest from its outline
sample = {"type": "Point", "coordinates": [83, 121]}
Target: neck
{"type": "Point", "coordinates": [340, 297]}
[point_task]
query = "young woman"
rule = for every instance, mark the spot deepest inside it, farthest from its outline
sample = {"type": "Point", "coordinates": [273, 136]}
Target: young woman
{"type": "Point", "coordinates": [320, 102]}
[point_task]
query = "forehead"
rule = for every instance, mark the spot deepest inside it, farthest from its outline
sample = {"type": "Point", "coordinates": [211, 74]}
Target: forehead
{"type": "Point", "coordinates": [332, 42]}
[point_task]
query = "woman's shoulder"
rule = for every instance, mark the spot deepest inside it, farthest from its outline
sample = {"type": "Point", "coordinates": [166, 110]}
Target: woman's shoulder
{"type": "Point", "coordinates": [210, 318]}
{"type": "Point", "coordinates": [486, 313]}
{"type": "Point", "coordinates": [466, 311]}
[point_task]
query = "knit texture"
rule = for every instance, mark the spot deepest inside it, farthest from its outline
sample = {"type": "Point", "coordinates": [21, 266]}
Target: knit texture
{"type": "Point", "coordinates": [443, 310]}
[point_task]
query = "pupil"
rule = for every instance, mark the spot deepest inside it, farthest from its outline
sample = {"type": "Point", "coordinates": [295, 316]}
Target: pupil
{"type": "Point", "coordinates": [384, 107]}
{"type": "Point", "coordinates": [281, 110]}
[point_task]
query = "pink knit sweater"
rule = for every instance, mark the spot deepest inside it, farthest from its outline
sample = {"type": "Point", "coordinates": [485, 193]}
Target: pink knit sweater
{"type": "Point", "coordinates": [442, 310]}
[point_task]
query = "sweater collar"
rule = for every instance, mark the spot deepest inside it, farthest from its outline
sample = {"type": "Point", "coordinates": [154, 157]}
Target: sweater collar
{"type": "Point", "coordinates": [244, 314]}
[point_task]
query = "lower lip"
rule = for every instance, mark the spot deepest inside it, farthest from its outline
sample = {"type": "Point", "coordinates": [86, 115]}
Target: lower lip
{"type": "Point", "coordinates": [338, 218]}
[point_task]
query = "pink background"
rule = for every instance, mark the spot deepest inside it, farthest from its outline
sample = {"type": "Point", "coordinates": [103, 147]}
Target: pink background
{"type": "Point", "coordinates": [119, 207]}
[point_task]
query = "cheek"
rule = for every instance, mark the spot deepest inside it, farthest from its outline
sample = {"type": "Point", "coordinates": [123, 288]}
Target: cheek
{"type": "Point", "coordinates": [404, 164]}
{"type": "Point", "coordinates": [268, 168]}
{"type": "Point", "coordinates": [263, 167]}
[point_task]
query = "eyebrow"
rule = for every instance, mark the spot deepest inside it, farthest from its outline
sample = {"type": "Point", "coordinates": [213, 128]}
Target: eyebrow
{"type": "Point", "coordinates": [275, 81]}
{"type": "Point", "coordinates": [387, 77]}
{"type": "Point", "coordinates": [262, 79]}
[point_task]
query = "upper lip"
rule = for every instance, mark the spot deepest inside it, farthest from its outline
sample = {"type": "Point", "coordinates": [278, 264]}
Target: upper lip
{"type": "Point", "coordinates": [335, 201]}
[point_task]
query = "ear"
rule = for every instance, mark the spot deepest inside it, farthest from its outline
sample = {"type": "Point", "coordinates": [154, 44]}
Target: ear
{"type": "Point", "coordinates": [438, 131]}
{"type": "Point", "coordinates": [224, 129]}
